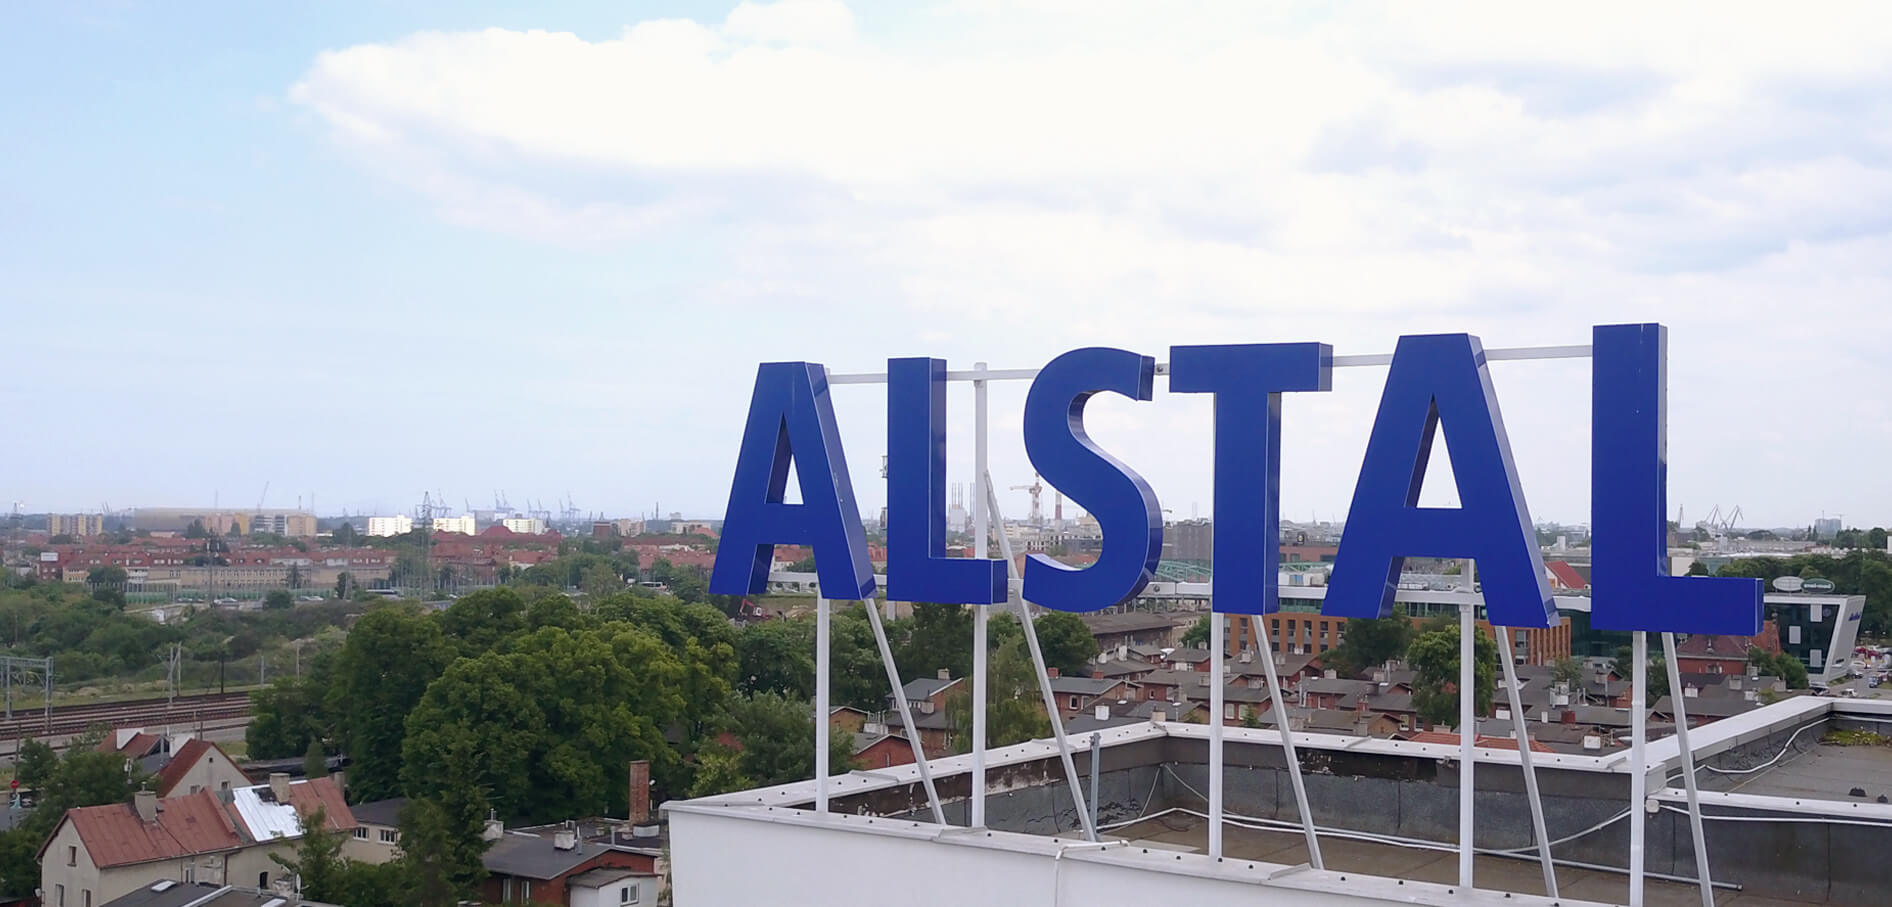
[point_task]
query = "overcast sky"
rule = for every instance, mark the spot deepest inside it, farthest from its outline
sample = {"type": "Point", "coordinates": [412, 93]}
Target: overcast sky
{"type": "Point", "coordinates": [359, 251]}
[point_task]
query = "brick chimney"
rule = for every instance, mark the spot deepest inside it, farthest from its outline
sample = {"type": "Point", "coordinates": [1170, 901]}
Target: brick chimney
{"type": "Point", "coordinates": [279, 786]}
{"type": "Point", "coordinates": [1050, 671]}
{"type": "Point", "coordinates": [640, 792]}
{"type": "Point", "coordinates": [945, 674]}
{"type": "Point", "coordinates": [146, 802]}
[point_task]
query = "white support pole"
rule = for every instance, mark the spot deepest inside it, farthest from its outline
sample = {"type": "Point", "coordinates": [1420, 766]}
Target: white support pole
{"type": "Point", "coordinates": [821, 705]}
{"type": "Point", "coordinates": [1279, 708]}
{"type": "Point", "coordinates": [1217, 671]}
{"type": "Point", "coordinates": [1518, 727]}
{"type": "Point", "coordinates": [906, 715]}
{"type": "Point", "coordinates": [1688, 772]}
{"type": "Point", "coordinates": [1467, 730]}
{"type": "Point", "coordinates": [980, 615]}
{"type": "Point", "coordinates": [1638, 761]}
{"type": "Point", "coordinates": [1044, 676]}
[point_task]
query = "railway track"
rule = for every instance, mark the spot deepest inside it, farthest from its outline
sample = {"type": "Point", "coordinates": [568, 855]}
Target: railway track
{"type": "Point", "coordinates": [70, 720]}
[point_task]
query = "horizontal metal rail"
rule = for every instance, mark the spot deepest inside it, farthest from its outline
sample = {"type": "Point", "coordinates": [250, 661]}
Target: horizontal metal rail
{"type": "Point", "coordinates": [1512, 354]}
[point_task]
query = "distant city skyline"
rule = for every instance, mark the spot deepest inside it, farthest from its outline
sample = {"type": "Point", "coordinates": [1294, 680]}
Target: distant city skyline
{"type": "Point", "coordinates": [360, 251]}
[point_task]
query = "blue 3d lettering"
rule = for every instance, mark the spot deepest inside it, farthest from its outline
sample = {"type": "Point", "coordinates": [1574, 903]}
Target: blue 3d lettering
{"type": "Point", "coordinates": [917, 566]}
{"type": "Point", "coordinates": [792, 421]}
{"type": "Point", "coordinates": [1630, 586]}
{"type": "Point", "coordinates": [1123, 504]}
{"type": "Point", "coordinates": [1438, 379]}
{"type": "Point", "coordinates": [1247, 381]}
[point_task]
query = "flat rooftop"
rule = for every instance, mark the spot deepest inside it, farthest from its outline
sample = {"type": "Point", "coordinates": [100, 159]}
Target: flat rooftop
{"type": "Point", "coordinates": [1190, 834]}
{"type": "Point", "coordinates": [1822, 771]}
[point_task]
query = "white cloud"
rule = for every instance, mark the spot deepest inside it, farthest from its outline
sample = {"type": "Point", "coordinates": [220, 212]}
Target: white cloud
{"type": "Point", "coordinates": [1025, 177]}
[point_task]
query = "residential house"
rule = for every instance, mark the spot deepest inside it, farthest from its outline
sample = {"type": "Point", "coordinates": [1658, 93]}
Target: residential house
{"type": "Point", "coordinates": [1708, 653]}
{"type": "Point", "coordinates": [1335, 693]}
{"type": "Point", "coordinates": [1187, 659]}
{"type": "Point", "coordinates": [1238, 702]}
{"type": "Point", "coordinates": [1076, 694]}
{"type": "Point", "coordinates": [1354, 723]}
{"type": "Point", "coordinates": [878, 748]}
{"type": "Point", "coordinates": [377, 834]}
{"type": "Point", "coordinates": [561, 864]}
{"type": "Point", "coordinates": [98, 853]}
{"type": "Point", "coordinates": [926, 699]}
{"type": "Point", "coordinates": [1564, 577]}
{"type": "Point", "coordinates": [199, 765]}
{"type": "Point", "coordinates": [613, 887]}
{"type": "Point", "coordinates": [1132, 629]}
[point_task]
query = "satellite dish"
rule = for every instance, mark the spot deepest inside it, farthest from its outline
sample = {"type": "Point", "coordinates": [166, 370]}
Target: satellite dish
{"type": "Point", "coordinates": [1787, 583]}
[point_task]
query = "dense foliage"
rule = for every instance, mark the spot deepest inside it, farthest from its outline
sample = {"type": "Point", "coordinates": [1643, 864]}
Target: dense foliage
{"type": "Point", "coordinates": [1434, 656]}
{"type": "Point", "coordinates": [1865, 572]}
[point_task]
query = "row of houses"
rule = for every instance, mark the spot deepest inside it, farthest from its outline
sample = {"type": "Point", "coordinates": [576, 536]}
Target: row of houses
{"type": "Point", "coordinates": [206, 827]}
{"type": "Point", "coordinates": [1151, 682]}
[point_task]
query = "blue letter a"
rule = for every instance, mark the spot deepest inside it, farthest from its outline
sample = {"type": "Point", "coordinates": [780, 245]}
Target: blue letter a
{"type": "Point", "coordinates": [791, 419]}
{"type": "Point", "coordinates": [1436, 378]}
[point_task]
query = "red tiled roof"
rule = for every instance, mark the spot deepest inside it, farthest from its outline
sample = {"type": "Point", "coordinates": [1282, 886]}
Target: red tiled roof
{"type": "Point", "coordinates": [183, 760]}
{"type": "Point", "coordinates": [1490, 743]}
{"type": "Point", "coordinates": [1566, 574]}
{"type": "Point", "coordinates": [323, 792]}
{"type": "Point", "coordinates": [115, 836]}
{"type": "Point", "coordinates": [138, 746]}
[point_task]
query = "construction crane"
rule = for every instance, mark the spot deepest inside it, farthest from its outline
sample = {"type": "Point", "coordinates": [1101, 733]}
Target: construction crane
{"type": "Point", "coordinates": [1037, 488]}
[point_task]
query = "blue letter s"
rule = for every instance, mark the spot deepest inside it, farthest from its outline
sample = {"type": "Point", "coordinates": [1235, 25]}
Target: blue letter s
{"type": "Point", "coordinates": [1061, 451]}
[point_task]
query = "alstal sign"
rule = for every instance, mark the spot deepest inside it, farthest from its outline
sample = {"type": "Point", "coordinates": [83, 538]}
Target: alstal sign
{"type": "Point", "coordinates": [1434, 380]}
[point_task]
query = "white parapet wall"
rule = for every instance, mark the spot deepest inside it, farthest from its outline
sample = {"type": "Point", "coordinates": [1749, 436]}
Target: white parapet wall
{"type": "Point", "coordinates": [725, 854]}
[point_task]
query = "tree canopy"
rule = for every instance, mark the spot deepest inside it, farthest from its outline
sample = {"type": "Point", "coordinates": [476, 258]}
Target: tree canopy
{"type": "Point", "coordinates": [1434, 656]}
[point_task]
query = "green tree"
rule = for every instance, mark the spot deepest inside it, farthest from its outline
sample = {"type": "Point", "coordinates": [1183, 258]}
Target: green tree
{"type": "Point", "coordinates": [390, 884]}
{"type": "Point", "coordinates": [1250, 717]}
{"type": "Point", "coordinates": [777, 739]}
{"type": "Point", "coordinates": [294, 579]}
{"type": "Point", "coordinates": [344, 583]}
{"type": "Point", "coordinates": [196, 530]}
{"type": "Point", "coordinates": [1625, 665]}
{"type": "Point", "coordinates": [316, 863]}
{"type": "Point", "coordinates": [551, 721]}
{"type": "Point", "coordinates": [442, 849]}
{"type": "Point", "coordinates": [1876, 538]}
{"type": "Point", "coordinates": [476, 623]}
{"type": "Point", "coordinates": [937, 637]}
{"type": "Point", "coordinates": [384, 669]}
{"type": "Point", "coordinates": [777, 656]}
{"type": "Point", "coordinates": [1567, 670]}
{"type": "Point", "coordinates": [107, 576]}
{"type": "Point", "coordinates": [345, 536]}
{"type": "Point", "coordinates": [35, 763]}
{"type": "Point", "coordinates": [1779, 664]}
{"type": "Point", "coordinates": [1370, 642]}
{"type": "Point", "coordinates": [1014, 711]}
{"type": "Point", "coordinates": [1434, 656]}
{"type": "Point", "coordinates": [553, 610]}
{"type": "Point", "coordinates": [278, 599]}
{"type": "Point", "coordinates": [1697, 568]}
{"type": "Point", "coordinates": [1197, 636]}
{"type": "Point", "coordinates": [1065, 641]}
{"type": "Point", "coordinates": [718, 771]}
{"type": "Point", "coordinates": [315, 760]}
{"type": "Point", "coordinates": [292, 712]}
